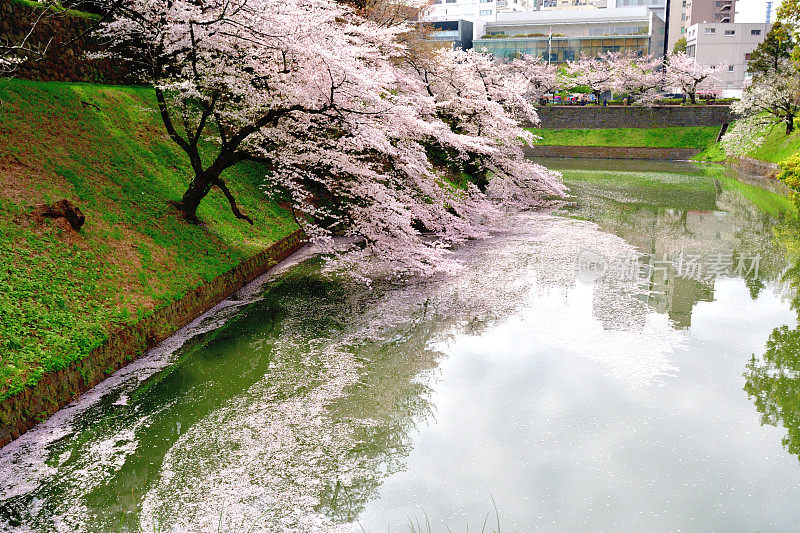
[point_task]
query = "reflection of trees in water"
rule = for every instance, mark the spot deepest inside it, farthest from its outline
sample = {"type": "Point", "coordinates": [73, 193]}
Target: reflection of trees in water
{"type": "Point", "coordinates": [772, 381]}
{"type": "Point", "coordinates": [666, 220]}
{"type": "Point", "coordinates": [390, 398]}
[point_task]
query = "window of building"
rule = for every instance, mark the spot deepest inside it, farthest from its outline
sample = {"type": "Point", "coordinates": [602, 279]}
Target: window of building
{"type": "Point", "coordinates": [755, 32]}
{"type": "Point", "coordinates": [485, 12]}
{"type": "Point", "coordinates": [730, 68]}
{"type": "Point", "coordinates": [683, 17]}
{"type": "Point", "coordinates": [683, 29]}
{"type": "Point", "coordinates": [711, 31]}
{"type": "Point", "coordinates": [747, 57]}
{"type": "Point", "coordinates": [730, 32]}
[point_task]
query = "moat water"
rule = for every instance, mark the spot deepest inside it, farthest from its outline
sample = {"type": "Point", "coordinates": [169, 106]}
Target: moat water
{"type": "Point", "coordinates": [630, 362]}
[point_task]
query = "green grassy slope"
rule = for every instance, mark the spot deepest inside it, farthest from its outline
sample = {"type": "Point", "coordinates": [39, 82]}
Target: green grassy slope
{"type": "Point", "coordinates": [103, 148]}
{"type": "Point", "coordinates": [690, 137]}
{"type": "Point", "coordinates": [777, 145]}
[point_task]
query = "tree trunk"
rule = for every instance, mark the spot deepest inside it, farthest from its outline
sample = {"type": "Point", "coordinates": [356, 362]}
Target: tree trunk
{"type": "Point", "coordinates": [692, 98]}
{"type": "Point", "coordinates": [789, 124]}
{"type": "Point", "coordinates": [198, 189]}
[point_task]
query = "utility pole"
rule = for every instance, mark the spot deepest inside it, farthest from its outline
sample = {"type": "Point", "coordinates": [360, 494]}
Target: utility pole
{"type": "Point", "coordinates": [549, 44]}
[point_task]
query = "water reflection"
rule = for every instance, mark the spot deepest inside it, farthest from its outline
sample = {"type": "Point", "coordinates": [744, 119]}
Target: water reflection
{"type": "Point", "coordinates": [326, 405]}
{"type": "Point", "coordinates": [773, 384]}
{"type": "Point", "coordinates": [681, 214]}
{"type": "Point", "coordinates": [773, 378]}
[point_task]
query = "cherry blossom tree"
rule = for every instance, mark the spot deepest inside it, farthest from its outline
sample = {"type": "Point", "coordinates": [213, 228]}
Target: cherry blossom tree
{"type": "Point", "coordinates": [637, 76]}
{"type": "Point", "coordinates": [595, 73]}
{"type": "Point", "coordinates": [476, 95]}
{"type": "Point", "coordinates": [345, 127]}
{"type": "Point", "coordinates": [542, 77]}
{"type": "Point", "coordinates": [685, 74]}
{"type": "Point", "coordinates": [773, 96]}
{"type": "Point", "coordinates": [17, 48]}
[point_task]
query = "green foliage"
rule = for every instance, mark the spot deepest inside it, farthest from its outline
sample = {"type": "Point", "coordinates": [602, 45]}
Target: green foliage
{"type": "Point", "coordinates": [789, 14]}
{"type": "Point", "coordinates": [692, 137]}
{"type": "Point", "coordinates": [56, 7]}
{"type": "Point", "coordinates": [105, 149]}
{"type": "Point", "coordinates": [713, 153]}
{"type": "Point", "coordinates": [790, 175]}
{"type": "Point", "coordinates": [777, 45]}
{"type": "Point", "coordinates": [680, 45]}
{"type": "Point", "coordinates": [772, 384]}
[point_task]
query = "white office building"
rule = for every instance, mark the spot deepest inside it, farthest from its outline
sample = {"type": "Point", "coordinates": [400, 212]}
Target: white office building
{"type": "Point", "coordinates": [731, 44]}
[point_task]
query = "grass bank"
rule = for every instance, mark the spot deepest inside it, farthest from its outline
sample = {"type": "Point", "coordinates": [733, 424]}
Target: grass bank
{"type": "Point", "coordinates": [777, 146]}
{"type": "Point", "coordinates": [104, 148]}
{"type": "Point", "coordinates": [700, 137]}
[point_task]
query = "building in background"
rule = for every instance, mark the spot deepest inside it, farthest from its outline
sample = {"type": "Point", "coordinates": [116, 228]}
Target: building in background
{"type": "Point", "coordinates": [475, 10]}
{"type": "Point", "coordinates": [699, 11]}
{"type": "Point", "coordinates": [686, 13]}
{"type": "Point", "coordinates": [715, 43]}
{"type": "Point", "coordinates": [677, 22]}
{"type": "Point", "coordinates": [456, 33]}
{"type": "Point", "coordinates": [562, 35]}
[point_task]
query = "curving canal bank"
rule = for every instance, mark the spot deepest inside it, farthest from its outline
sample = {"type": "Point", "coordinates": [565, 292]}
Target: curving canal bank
{"type": "Point", "coordinates": [57, 388]}
{"type": "Point", "coordinates": [581, 372]}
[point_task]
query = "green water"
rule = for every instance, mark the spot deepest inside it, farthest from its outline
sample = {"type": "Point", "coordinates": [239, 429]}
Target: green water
{"type": "Point", "coordinates": [649, 394]}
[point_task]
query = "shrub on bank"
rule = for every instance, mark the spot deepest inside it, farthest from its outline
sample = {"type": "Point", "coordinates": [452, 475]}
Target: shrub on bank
{"type": "Point", "coordinates": [790, 175]}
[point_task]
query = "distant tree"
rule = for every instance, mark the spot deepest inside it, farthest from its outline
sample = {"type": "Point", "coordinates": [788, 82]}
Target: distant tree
{"type": "Point", "coordinates": [541, 77]}
{"type": "Point", "coordinates": [680, 46]}
{"type": "Point", "coordinates": [776, 46]}
{"type": "Point", "coordinates": [685, 74]}
{"type": "Point", "coordinates": [596, 73]}
{"type": "Point", "coordinates": [638, 76]}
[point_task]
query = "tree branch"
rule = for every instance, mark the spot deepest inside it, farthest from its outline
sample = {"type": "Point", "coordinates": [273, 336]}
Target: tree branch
{"type": "Point", "coordinates": [235, 208]}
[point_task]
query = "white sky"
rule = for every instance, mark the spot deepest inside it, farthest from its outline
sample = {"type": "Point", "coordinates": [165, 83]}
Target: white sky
{"type": "Point", "coordinates": [754, 10]}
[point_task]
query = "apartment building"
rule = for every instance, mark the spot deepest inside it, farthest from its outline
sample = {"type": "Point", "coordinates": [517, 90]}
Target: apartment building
{"type": "Point", "coordinates": [715, 43]}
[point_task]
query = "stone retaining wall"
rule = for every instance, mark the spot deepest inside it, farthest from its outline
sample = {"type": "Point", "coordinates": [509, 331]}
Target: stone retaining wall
{"type": "Point", "coordinates": [597, 117]}
{"type": "Point", "coordinates": [611, 152]}
{"type": "Point", "coordinates": [753, 167]}
{"type": "Point", "coordinates": [65, 37]}
{"type": "Point", "coordinates": [56, 389]}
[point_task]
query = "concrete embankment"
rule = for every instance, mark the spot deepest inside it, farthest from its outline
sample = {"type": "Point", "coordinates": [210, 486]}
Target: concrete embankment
{"type": "Point", "coordinates": [56, 389]}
